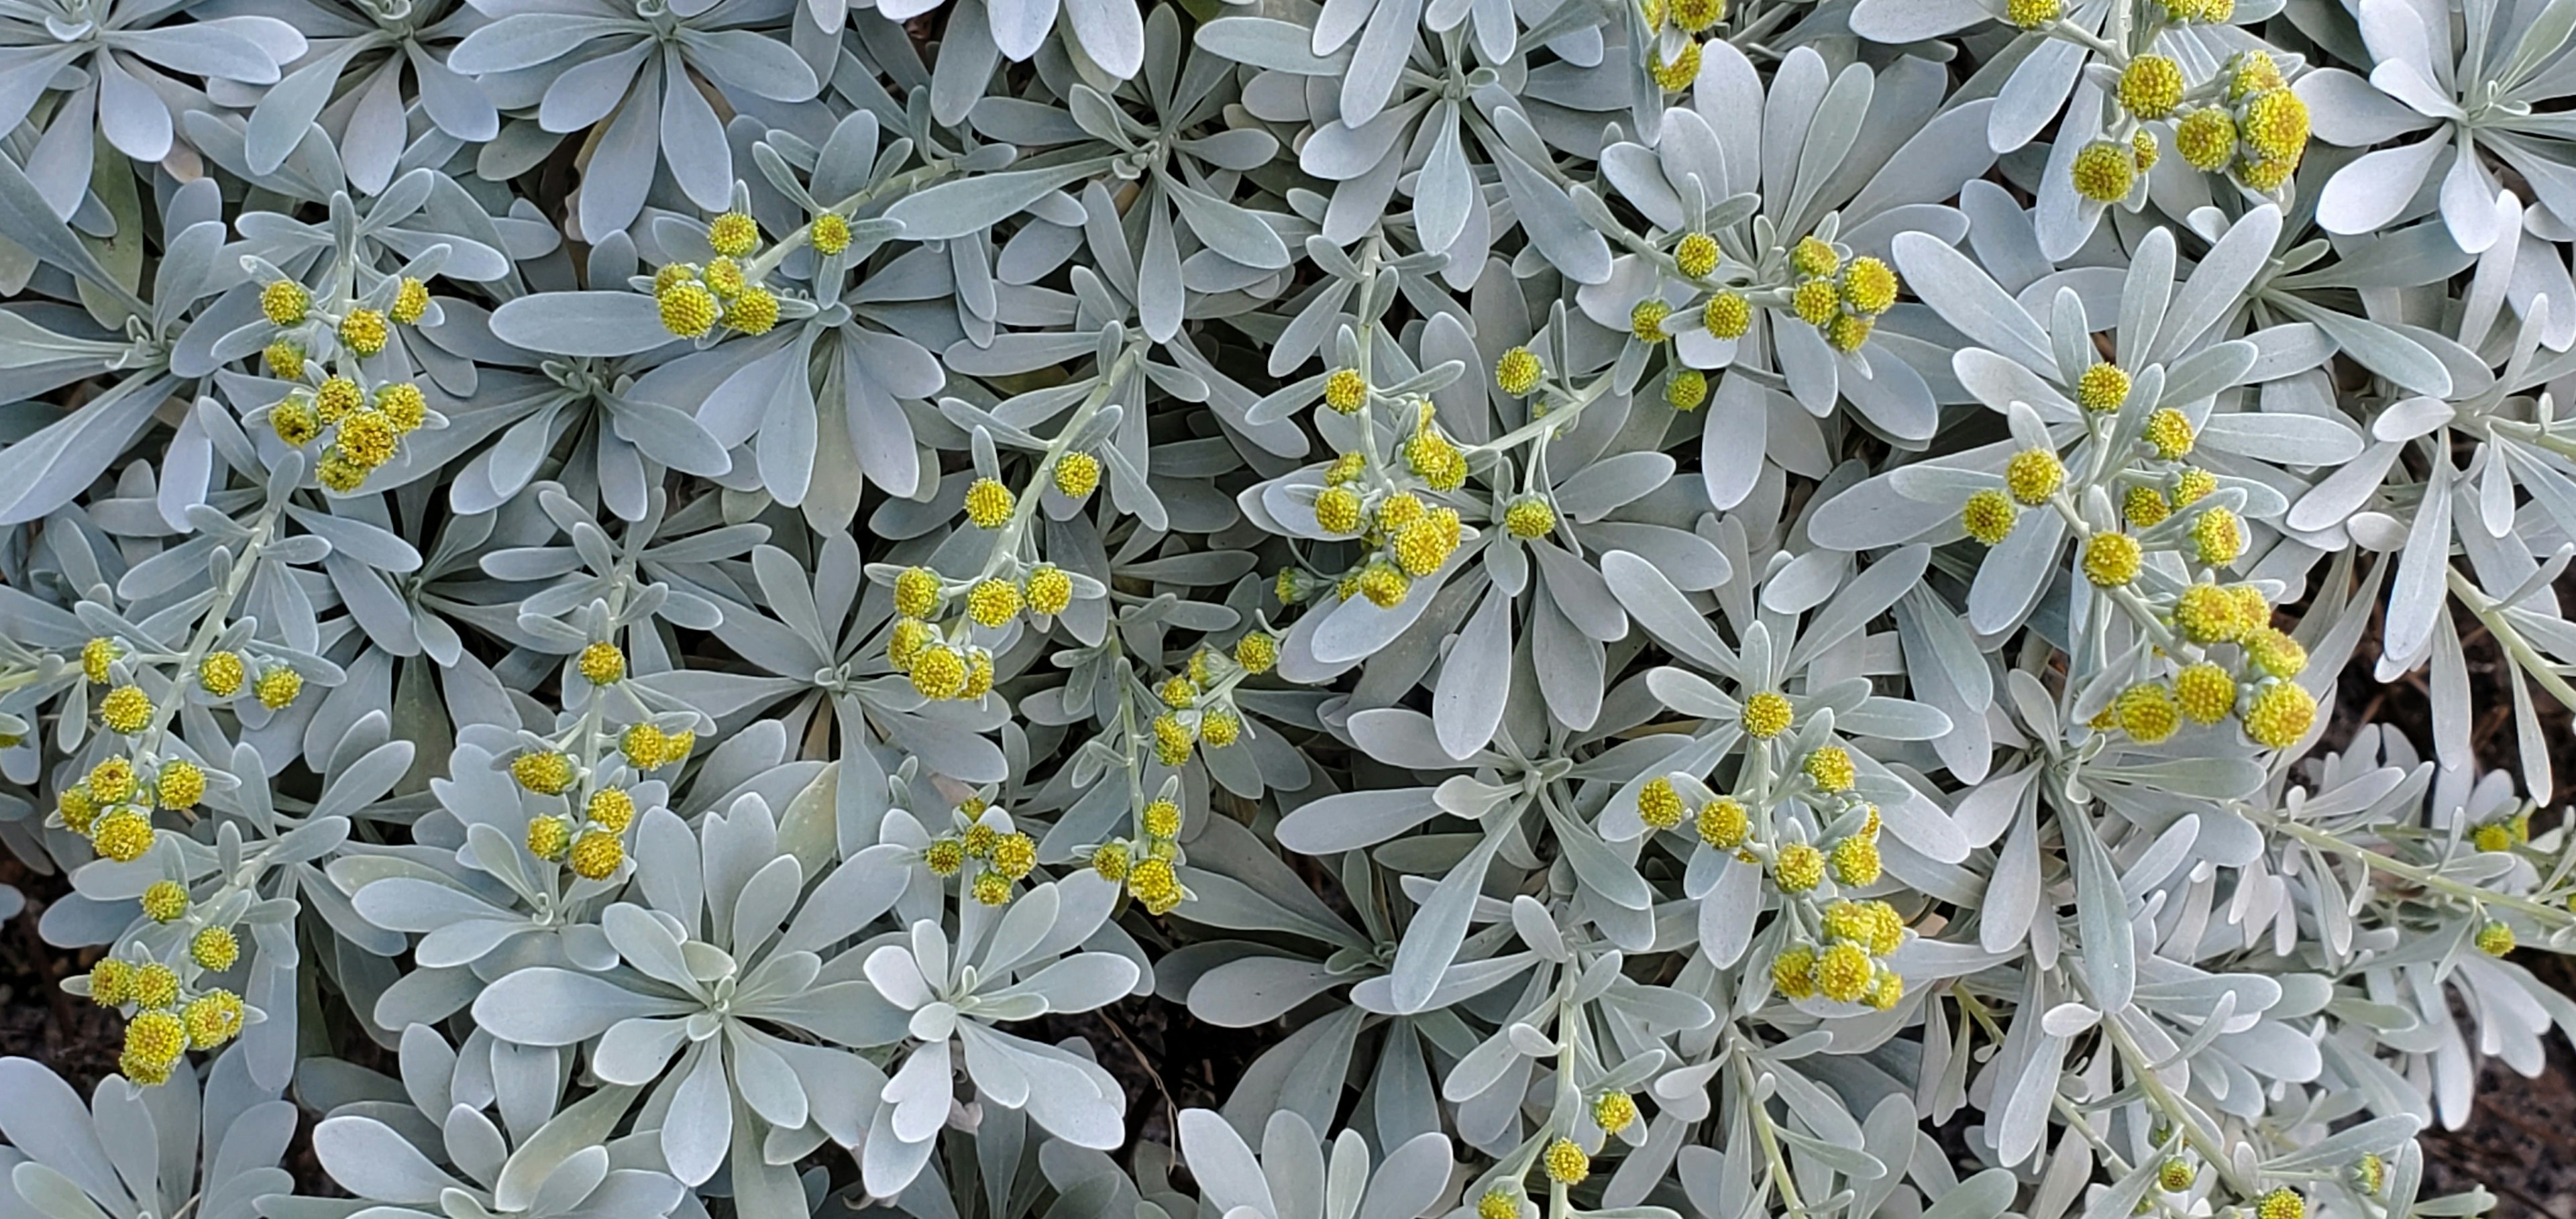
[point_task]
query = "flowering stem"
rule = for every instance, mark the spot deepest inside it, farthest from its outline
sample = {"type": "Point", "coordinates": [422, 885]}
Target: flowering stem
{"type": "Point", "coordinates": [2416, 874]}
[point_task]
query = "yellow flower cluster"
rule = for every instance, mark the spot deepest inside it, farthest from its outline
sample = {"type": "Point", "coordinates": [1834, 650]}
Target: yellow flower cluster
{"type": "Point", "coordinates": [1004, 857]}
{"type": "Point", "coordinates": [695, 301]}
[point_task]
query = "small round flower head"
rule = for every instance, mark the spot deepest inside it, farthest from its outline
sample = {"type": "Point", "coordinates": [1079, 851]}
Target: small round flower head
{"type": "Point", "coordinates": [1793, 972]}
{"type": "Point", "coordinates": [1658, 805]}
{"type": "Point", "coordinates": [979, 837]}
{"type": "Point", "coordinates": [1685, 389]}
{"type": "Point", "coordinates": [2104, 171]}
{"type": "Point", "coordinates": [2280, 714]}
{"type": "Point", "coordinates": [2033, 475]}
{"type": "Point", "coordinates": [2206, 138]}
{"type": "Point", "coordinates": [1172, 739]}
{"type": "Point", "coordinates": [906, 640]}
{"type": "Point", "coordinates": [1047, 589]}
{"type": "Point", "coordinates": [1847, 331]}
{"type": "Point", "coordinates": [2142, 145]}
{"type": "Point", "coordinates": [1869, 286]}
{"type": "Point", "coordinates": [1220, 727]}
{"type": "Point", "coordinates": [285, 302]}
{"type": "Point", "coordinates": [1161, 819]}
{"type": "Point", "coordinates": [2193, 485]}
{"type": "Point", "coordinates": [1076, 474]}
{"type": "Point", "coordinates": [1843, 972]}
{"type": "Point", "coordinates": [2493, 836]}
{"type": "Point", "coordinates": [1885, 990]}
{"type": "Point", "coordinates": [689, 309]}
{"type": "Point", "coordinates": [165, 901]}
{"type": "Point", "coordinates": [156, 986]}
{"type": "Point", "coordinates": [1345, 390]}
{"type": "Point", "coordinates": [337, 398]}
{"type": "Point", "coordinates": [1400, 510]}
{"type": "Point", "coordinates": [2370, 1174]}
{"type": "Point", "coordinates": [549, 837]}
{"type": "Point", "coordinates": [1889, 934]}
{"type": "Point", "coordinates": [364, 331]}
{"type": "Point", "coordinates": [1337, 510]}
{"type": "Point", "coordinates": [111, 982]}
{"type": "Point", "coordinates": [1722, 823]}
{"type": "Point", "coordinates": [642, 744]}
{"type": "Point", "coordinates": [939, 673]}
{"type": "Point", "coordinates": [126, 709]}
{"type": "Point", "coordinates": [544, 772]}
{"type": "Point", "coordinates": [2206, 614]}
{"type": "Point", "coordinates": [2143, 506]}
{"type": "Point", "coordinates": [2282, 1203]}
{"type": "Point", "coordinates": [2102, 387]}
{"type": "Point", "coordinates": [111, 781]}
{"type": "Point", "coordinates": [724, 278]}
{"type": "Point", "coordinates": [754, 311]}
{"type": "Point", "coordinates": [2147, 712]}
{"type": "Point", "coordinates": [610, 809]}
{"type": "Point", "coordinates": [2495, 938]}
{"type": "Point", "coordinates": [179, 785]}
{"type": "Point", "coordinates": [1676, 74]}
{"type": "Point", "coordinates": [77, 807]}
{"type": "Point", "coordinates": [367, 439]}
{"type": "Point", "coordinates": [1529, 517]}
{"type": "Point", "coordinates": [2206, 692]}
{"type": "Point", "coordinates": [1154, 885]}
{"type": "Point", "coordinates": [2151, 86]}
{"type": "Point", "coordinates": [993, 602]}
{"type": "Point", "coordinates": [1646, 321]}
{"type": "Point", "coordinates": [2111, 560]}
{"type": "Point", "coordinates": [1695, 254]}
{"type": "Point", "coordinates": [1988, 516]}
{"type": "Point", "coordinates": [1812, 257]}
{"type": "Point", "coordinates": [2168, 432]}
{"type": "Point", "coordinates": [153, 1043]}
{"type": "Point", "coordinates": [2274, 652]}
{"type": "Point", "coordinates": [1423, 546]}
{"type": "Point", "coordinates": [1518, 372]}
{"type": "Point", "coordinates": [97, 655]}
{"type": "Point", "coordinates": [830, 234]}
{"type": "Point", "coordinates": [1816, 302]}
{"type": "Point", "coordinates": [2274, 125]}
{"type": "Point", "coordinates": [283, 359]}
{"type": "Point", "coordinates": [916, 592]}
{"type": "Point", "coordinates": [403, 405]}
{"type": "Point", "coordinates": [1799, 868]}
{"type": "Point", "coordinates": [1110, 860]}
{"type": "Point", "coordinates": [992, 889]}
{"type": "Point", "coordinates": [2031, 14]}
{"type": "Point", "coordinates": [1766, 715]}
{"type": "Point", "coordinates": [212, 1019]}
{"type": "Point", "coordinates": [733, 234]}
{"type": "Point", "coordinates": [1015, 855]}
{"type": "Point", "coordinates": [1727, 315]}
{"type": "Point", "coordinates": [2176, 1175]}
{"type": "Point", "coordinates": [596, 854]}
{"type": "Point", "coordinates": [1614, 1111]}
{"type": "Point", "coordinates": [1497, 1204]}
{"type": "Point", "coordinates": [1855, 862]}
{"type": "Point", "coordinates": [989, 503]}
{"type": "Point", "coordinates": [2218, 538]}
{"type": "Point", "coordinates": [602, 663]}
{"type": "Point", "coordinates": [1831, 768]}
{"type": "Point", "coordinates": [1851, 922]}
{"type": "Point", "coordinates": [1566, 1163]}
{"type": "Point", "coordinates": [944, 857]}
{"type": "Point", "coordinates": [214, 948]}
{"type": "Point", "coordinates": [411, 302]}
{"type": "Point", "coordinates": [1384, 586]}
{"type": "Point", "coordinates": [1697, 16]}
{"type": "Point", "coordinates": [1257, 651]}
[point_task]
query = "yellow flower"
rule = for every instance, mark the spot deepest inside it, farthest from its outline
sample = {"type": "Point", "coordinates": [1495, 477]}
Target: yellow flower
{"type": "Point", "coordinates": [1855, 862]}
{"type": "Point", "coordinates": [1109, 859]}
{"type": "Point", "coordinates": [2176, 1175]}
{"type": "Point", "coordinates": [165, 901]}
{"type": "Point", "coordinates": [2142, 145]}
{"type": "Point", "coordinates": [1177, 691]}
{"type": "Point", "coordinates": [2033, 475]}
{"type": "Point", "coordinates": [2031, 14]}
{"type": "Point", "coordinates": [1685, 389]}
{"type": "Point", "coordinates": [2169, 432]}
{"type": "Point", "coordinates": [1677, 75]}
{"type": "Point", "coordinates": [1831, 768]}
{"type": "Point", "coordinates": [336, 397]}
{"type": "Point", "coordinates": [285, 302]}
{"type": "Point", "coordinates": [1015, 855]}
{"type": "Point", "coordinates": [411, 301]}
{"type": "Point", "coordinates": [1885, 990]}
{"type": "Point", "coordinates": [1384, 586]}
{"type": "Point", "coordinates": [2111, 559]}
{"type": "Point", "coordinates": [1816, 302]}
{"type": "Point", "coordinates": [979, 675]}
{"type": "Point", "coordinates": [549, 837]}
{"type": "Point", "coordinates": [2206, 614]}
{"type": "Point", "coordinates": [916, 592]}
{"type": "Point", "coordinates": [2371, 1174]}
{"type": "Point", "coordinates": [677, 746]}
{"type": "Point", "coordinates": [1172, 739]}
{"type": "Point", "coordinates": [1154, 885]}
{"type": "Point", "coordinates": [1529, 517]}
{"type": "Point", "coordinates": [993, 602]}
{"type": "Point", "coordinates": [1988, 516]}
{"type": "Point", "coordinates": [1843, 973]}
{"type": "Point", "coordinates": [214, 948]}
{"type": "Point", "coordinates": [111, 781]}
{"type": "Point", "coordinates": [2104, 171]}
{"type": "Point", "coordinates": [1799, 868]}
{"type": "Point", "coordinates": [688, 308]}
{"type": "Point", "coordinates": [2147, 712]}
{"type": "Point", "coordinates": [2274, 125]}
{"type": "Point", "coordinates": [989, 503]}
{"type": "Point", "coordinates": [1498, 1205]}
{"type": "Point", "coordinates": [111, 983]}
{"type": "Point", "coordinates": [2151, 86]}
{"type": "Point", "coordinates": [1793, 972]}
{"type": "Point", "coordinates": [610, 809]}
{"type": "Point", "coordinates": [1695, 254]}
{"type": "Point", "coordinates": [1850, 922]}
{"type": "Point", "coordinates": [77, 807]}
{"type": "Point", "coordinates": [754, 311]}
{"type": "Point", "coordinates": [364, 331]}
{"type": "Point", "coordinates": [1646, 321]}
{"type": "Point", "coordinates": [1257, 651]}
{"type": "Point", "coordinates": [596, 854]}
{"type": "Point", "coordinates": [367, 439]}
{"type": "Point", "coordinates": [180, 784]}
{"type": "Point", "coordinates": [2282, 1203]}
{"type": "Point", "coordinates": [724, 278]}
{"type": "Point", "coordinates": [153, 1043]}
{"type": "Point", "coordinates": [1566, 1163]}
{"type": "Point", "coordinates": [1658, 804]}
{"type": "Point", "coordinates": [2495, 938]}
{"type": "Point", "coordinates": [1847, 331]}
{"type": "Point", "coordinates": [1722, 823]}
{"type": "Point", "coordinates": [830, 233]}
{"type": "Point", "coordinates": [544, 772]}
{"type": "Point", "coordinates": [212, 1019]}
{"type": "Point", "coordinates": [1614, 1111]}
{"type": "Point", "coordinates": [1812, 258]}
{"type": "Point", "coordinates": [2274, 652]}
{"type": "Point", "coordinates": [1696, 16]}
{"type": "Point", "coordinates": [126, 709]}
{"type": "Point", "coordinates": [939, 673]}
{"type": "Point", "coordinates": [733, 234]}
{"type": "Point", "coordinates": [403, 405]}
{"type": "Point", "coordinates": [96, 656]}
{"type": "Point", "coordinates": [155, 985]}
{"type": "Point", "coordinates": [1518, 372]}
{"type": "Point", "coordinates": [1890, 933]}
{"type": "Point", "coordinates": [1219, 727]}
{"type": "Point", "coordinates": [992, 889]}
{"type": "Point", "coordinates": [1048, 589]}
{"type": "Point", "coordinates": [1076, 474]}
{"type": "Point", "coordinates": [1421, 547]}
{"type": "Point", "coordinates": [2206, 138]}
{"type": "Point", "coordinates": [944, 857]}
{"type": "Point", "coordinates": [2279, 715]}
{"type": "Point", "coordinates": [2102, 387]}
{"type": "Point", "coordinates": [2218, 537]}
{"type": "Point", "coordinates": [642, 744]}
{"type": "Point", "coordinates": [602, 663]}
{"type": "Point", "coordinates": [284, 359]}
{"type": "Point", "coordinates": [1728, 315]}
{"type": "Point", "coordinates": [1869, 286]}
{"type": "Point", "coordinates": [2205, 692]}
{"type": "Point", "coordinates": [1345, 390]}
{"type": "Point", "coordinates": [2144, 506]}
{"type": "Point", "coordinates": [339, 473]}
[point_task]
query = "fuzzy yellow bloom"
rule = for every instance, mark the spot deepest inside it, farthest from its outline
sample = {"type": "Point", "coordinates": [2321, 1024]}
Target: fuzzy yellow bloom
{"type": "Point", "coordinates": [364, 331]}
{"type": "Point", "coordinates": [1855, 862]}
{"type": "Point", "coordinates": [2143, 506]}
{"type": "Point", "coordinates": [1076, 474]}
{"type": "Point", "coordinates": [111, 982]}
{"type": "Point", "coordinates": [1695, 254]}
{"type": "Point", "coordinates": [2274, 652]}
{"type": "Point", "coordinates": [2104, 171]}
{"type": "Point", "coordinates": [214, 948]}
{"type": "Point", "coordinates": [1109, 860]}
{"type": "Point", "coordinates": [1658, 805]}
{"type": "Point", "coordinates": [2151, 86]}
{"type": "Point", "coordinates": [403, 405]}
{"type": "Point", "coordinates": [338, 473]}
{"type": "Point", "coordinates": [1850, 921]}
{"type": "Point", "coordinates": [77, 807]}
{"type": "Point", "coordinates": [1885, 990]}
{"type": "Point", "coordinates": [1161, 819]}
{"type": "Point", "coordinates": [2033, 475]}
{"type": "Point", "coordinates": [753, 311]}
{"type": "Point", "coordinates": [979, 837]}
{"type": "Point", "coordinates": [549, 837]}
{"type": "Point", "coordinates": [724, 278]}
{"type": "Point", "coordinates": [283, 359]}
{"type": "Point", "coordinates": [411, 301]}
{"type": "Point", "coordinates": [1722, 823]}
{"type": "Point", "coordinates": [1696, 16]}
{"type": "Point", "coordinates": [1177, 692]}
{"type": "Point", "coordinates": [1566, 1162]}
{"type": "Point", "coordinates": [1498, 1205]}
{"type": "Point", "coordinates": [1686, 389]}
{"type": "Point", "coordinates": [596, 854]}
{"type": "Point", "coordinates": [1799, 868]}
{"type": "Point", "coordinates": [2495, 938]}
{"type": "Point", "coordinates": [1015, 855]}
{"type": "Point", "coordinates": [2102, 387]}
{"type": "Point", "coordinates": [979, 675]}
{"type": "Point", "coordinates": [126, 709]}
{"type": "Point", "coordinates": [1727, 315]}
{"type": "Point", "coordinates": [991, 889]}
{"type": "Point", "coordinates": [939, 673]}
{"type": "Point", "coordinates": [1172, 739]}
{"type": "Point", "coordinates": [1646, 321]}
{"type": "Point", "coordinates": [1346, 390]}
{"type": "Point", "coordinates": [1869, 286]}
{"type": "Point", "coordinates": [642, 744]}
{"type": "Point", "coordinates": [2148, 713]}
{"type": "Point", "coordinates": [96, 656]}
{"type": "Point", "coordinates": [689, 309]}
{"type": "Point", "coordinates": [1384, 586]}
{"type": "Point", "coordinates": [2279, 715]}
{"type": "Point", "coordinates": [2206, 138]}
{"type": "Point", "coordinates": [1890, 932]}
{"type": "Point", "coordinates": [830, 233]}
{"type": "Point", "coordinates": [602, 663]}
{"type": "Point", "coordinates": [944, 857]}
{"type": "Point", "coordinates": [1812, 257]}
{"type": "Point", "coordinates": [153, 1043]}
{"type": "Point", "coordinates": [2282, 1203]}
{"type": "Point", "coordinates": [2218, 537]}
{"type": "Point", "coordinates": [1816, 302]}
{"type": "Point", "coordinates": [112, 781]}
{"type": "Point", "coordinates": [733, 234]}
{"type": "Point", "coordinates": [2169, 433]}
{"type": "Point", "coordinates": [1220, 727]}
{"type": "Point", "coordinates": [285, 302]}
{"type": "Point", "coordinates": [1614, 1111]}
{"type": "Point", "coordinates": [165, 901]}
{"type": "Point", "coordinates": [610, 809]}
{"type": "Point", "coordinates": [1421, 547]}
{"type": "Point", "coordinates": [2031, 14]}
{"type": "Point", "coordinates": [989, 503]}
{"type": "Point", "coordinates": [2371, 1174]}
{"type": "Point", "coordinates": [1677, 74]}
{"type": "Point", "coordinates": [916, 592]}
{"type": "Point", "coordinates": [2111, 560]}
{"type": "Point", "coordinates": [2206, 692]}
{"type": "Point", "coordinates": [1518, 371]}
{"type": "Point", "coordinates": [1048, 589]}
{"type": "Point", "coordinates": [1831, 768]}
{"type": "Point", "coordinates": [212, 1019]}
{"type": "Point", "coordinates": [180, 784]}
{"type": "Point", "coordinates": [1989, 516]}
{"type": "Point", "coordinates": [993, 602]}
{"type": "Point", "coordinates": [2274, 125]}
{"type": "Point", "coordinates": [1793, 972]}
{"type": "Point", "coordinates": [2176, 1175]}
{"type": "Point", "coordinates": [1847, 331]}
{"type": "Point", "coordinates": [155, 985]}
{"type": "Point", "coordinates": [1257, 651]}
{"type": "Point", "coordinates": [2207, 614]}
{"type": "Point", "coordinates": [544, 772]}
{"type": "Point", "coordinates": [367, 439]}
{"type": "Point", "coordinates": [1843, 973]}
{"type": "Point", "coordinates": [1154, 885]}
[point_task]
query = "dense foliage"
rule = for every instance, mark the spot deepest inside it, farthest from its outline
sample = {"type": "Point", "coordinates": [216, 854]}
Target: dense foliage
{"type": "Point", "coordinates": [631, 608]}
